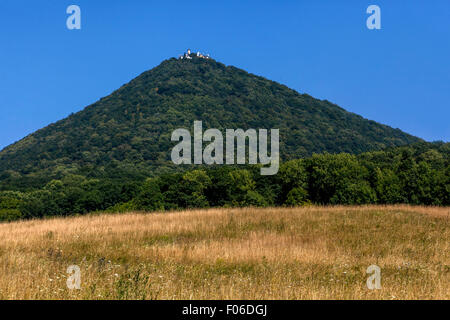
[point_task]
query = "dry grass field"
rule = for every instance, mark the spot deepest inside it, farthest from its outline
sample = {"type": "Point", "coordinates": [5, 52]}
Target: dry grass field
{"type": "Point", "coordinates": [298, 253]}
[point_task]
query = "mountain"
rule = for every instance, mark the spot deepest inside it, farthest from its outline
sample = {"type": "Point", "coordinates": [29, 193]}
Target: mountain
{"type": "Point", "coordinates": [127, 134]}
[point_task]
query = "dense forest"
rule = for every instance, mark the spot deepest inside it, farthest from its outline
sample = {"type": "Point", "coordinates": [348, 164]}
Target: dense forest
{"type": "Point", "coordinates": [416, 174]}
{"type": "Point", "coordinates": [126, 135]}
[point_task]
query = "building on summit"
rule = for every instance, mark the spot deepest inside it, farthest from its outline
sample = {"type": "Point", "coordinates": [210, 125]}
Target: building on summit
{"type": "Point", "coordinates": [188, 55]}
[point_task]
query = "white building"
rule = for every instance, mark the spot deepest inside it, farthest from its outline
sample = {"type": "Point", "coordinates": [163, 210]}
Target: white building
{"type": "Point", "coordinates": [187, 55]}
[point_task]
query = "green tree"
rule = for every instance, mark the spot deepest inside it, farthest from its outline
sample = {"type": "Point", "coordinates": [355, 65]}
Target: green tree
{"type": "Point", "coordinates": [150, 198]}
{"type": "Point", "coordinates": [193, 185]}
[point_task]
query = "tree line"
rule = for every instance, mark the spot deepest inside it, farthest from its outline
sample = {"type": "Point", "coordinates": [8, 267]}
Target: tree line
{"type": "Point", "coordinates": [418, 174]}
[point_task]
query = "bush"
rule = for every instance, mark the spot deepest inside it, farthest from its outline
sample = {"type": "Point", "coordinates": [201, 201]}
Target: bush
{"type": "Point", "coordinates": [297, 197]}
{"type": "Point", "coordinates": [123, 207]}
{"type": "Point", "coordinates": [9, 215]}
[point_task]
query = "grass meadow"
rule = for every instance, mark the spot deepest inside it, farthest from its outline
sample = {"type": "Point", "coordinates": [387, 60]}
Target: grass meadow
{"type": "Point", "coordinates": [250, 253]}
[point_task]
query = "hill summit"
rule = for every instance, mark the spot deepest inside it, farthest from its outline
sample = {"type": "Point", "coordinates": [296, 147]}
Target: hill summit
{"type": "Point", "coordinates": [128, 133]}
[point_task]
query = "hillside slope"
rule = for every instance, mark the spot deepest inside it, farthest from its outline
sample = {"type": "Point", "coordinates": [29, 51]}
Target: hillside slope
{"type": "Point", "coordinates": [128, 132]}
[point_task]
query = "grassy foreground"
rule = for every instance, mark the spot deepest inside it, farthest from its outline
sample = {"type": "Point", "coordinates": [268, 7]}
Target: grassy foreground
{"type": "Point", "coordinates": [298, 253]}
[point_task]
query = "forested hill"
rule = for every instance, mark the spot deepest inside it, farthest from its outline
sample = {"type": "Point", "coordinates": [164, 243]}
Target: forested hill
{"type": "Point", "coordinates": [127, 134]}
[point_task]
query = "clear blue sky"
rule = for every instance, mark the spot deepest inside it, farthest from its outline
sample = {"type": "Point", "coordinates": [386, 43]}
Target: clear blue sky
{"type": "Point", "coordinates": [399, 75]}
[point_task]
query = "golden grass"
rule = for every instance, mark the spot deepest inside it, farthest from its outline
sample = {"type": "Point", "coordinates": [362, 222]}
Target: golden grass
{"type": "Point", "coordinates": [275, 253]}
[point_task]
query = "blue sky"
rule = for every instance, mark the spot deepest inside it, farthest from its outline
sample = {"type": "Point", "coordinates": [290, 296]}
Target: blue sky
{"type": "Point", "coordinates": [399, 75]}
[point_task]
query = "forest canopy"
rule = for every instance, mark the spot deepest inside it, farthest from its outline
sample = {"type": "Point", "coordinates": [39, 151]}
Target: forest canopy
{"type": "Point", "coordinates": [417, 174]}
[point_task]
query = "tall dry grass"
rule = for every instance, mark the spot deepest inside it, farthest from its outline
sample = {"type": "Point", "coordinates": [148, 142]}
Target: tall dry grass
{"type": "Point", "coordinates": [298, 253]}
